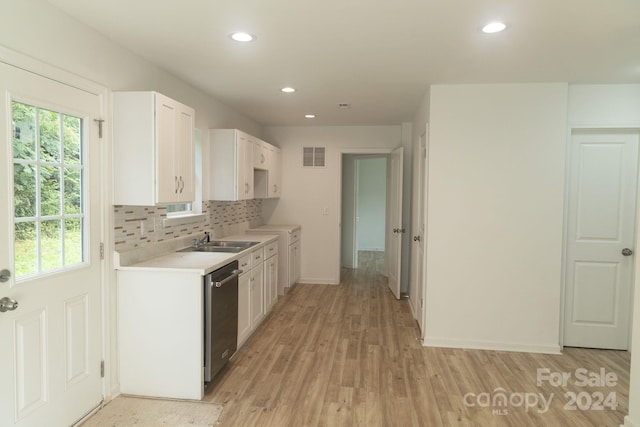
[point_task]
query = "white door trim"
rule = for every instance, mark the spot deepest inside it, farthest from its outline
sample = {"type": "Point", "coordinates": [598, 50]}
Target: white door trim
{"type": "Point", "coordinates": [35, 66]}
{"type": "Point", "coordinates": [578, 127]}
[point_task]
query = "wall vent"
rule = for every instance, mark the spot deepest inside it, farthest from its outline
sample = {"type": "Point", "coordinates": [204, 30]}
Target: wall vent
{"type": "Point", "coordinates": [313, 157]}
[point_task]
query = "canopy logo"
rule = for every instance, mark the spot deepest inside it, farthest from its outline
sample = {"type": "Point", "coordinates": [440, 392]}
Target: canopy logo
{"type": "Point", "coordinates": [500, 401]}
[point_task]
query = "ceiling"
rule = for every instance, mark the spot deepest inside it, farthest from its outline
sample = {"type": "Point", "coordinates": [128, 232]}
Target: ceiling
{"type": "Point", "coordinates": [379, 56]}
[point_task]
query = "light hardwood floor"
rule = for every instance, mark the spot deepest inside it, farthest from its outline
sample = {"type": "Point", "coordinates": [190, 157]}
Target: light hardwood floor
{"type": "Point", "coordinates": [349, 355]}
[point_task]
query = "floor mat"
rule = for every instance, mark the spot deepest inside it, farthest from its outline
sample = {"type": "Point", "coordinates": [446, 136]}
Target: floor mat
{"type": "Point", "coordinates": [134, 411]}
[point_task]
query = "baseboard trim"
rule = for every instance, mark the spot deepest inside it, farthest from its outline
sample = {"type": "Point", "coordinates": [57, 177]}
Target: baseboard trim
{"type": "Point", "coordinates": [491, 345]}
{"type": "Point", "coordinates": [115, 392]}
{"type": "Point", "coordinates": [311, 281]}
{"type": "Point", "coordinates": [629, 423]}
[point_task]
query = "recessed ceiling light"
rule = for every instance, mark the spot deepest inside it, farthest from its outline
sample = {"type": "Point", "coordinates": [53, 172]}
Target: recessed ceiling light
{"type": "Point", "coordinates": [493, 27]}
{"type": "Point", "coordinates": [242, 37]}
{"type": "Point", "coordinates": [288, 89]}
{"type": "Point", "coordinates": [310, 116]}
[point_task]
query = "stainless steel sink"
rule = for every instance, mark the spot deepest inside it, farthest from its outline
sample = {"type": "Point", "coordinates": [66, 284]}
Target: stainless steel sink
{"type": "Point", "coordinates": [231, 244]}
{"type": "Point", "coordinates": [220, 246]}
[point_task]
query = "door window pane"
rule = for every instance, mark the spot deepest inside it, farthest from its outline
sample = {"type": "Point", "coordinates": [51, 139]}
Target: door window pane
{"type": "Point", "coordinates": [24, 125]}
{"type": "Point", "coordinates": [24, 190]}
{"type": "Point", "coordinates": [72, 191]}
{"type": "Point", "coordinates": [48, 180]}
{"type": "Point", "coordinates": [72, 241]}
{"type": "Point", "coordinates": [49, 190]}
{"type": "Point", "coordinates": [49, 136]}
{"type": "Point", "coordinates": [26, 248]}
{"type": "Point", "coordinates": [72, 138]}
{"type": "Point", "coordinates": [51, 245]}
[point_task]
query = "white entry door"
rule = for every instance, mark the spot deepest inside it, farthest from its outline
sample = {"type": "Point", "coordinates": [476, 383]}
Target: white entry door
{"type": "Point", "coordinates": [395, 228]}
{"type": "Point", "coordinates": [600, 259]}
{"type": "Point", "coordinates": [49, 228]}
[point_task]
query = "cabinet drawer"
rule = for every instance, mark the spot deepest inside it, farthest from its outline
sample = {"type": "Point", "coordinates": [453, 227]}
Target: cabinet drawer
{"type": "Point", "coordinates": [295, 236]}
{"type": "Point", "coordinates": [256, 257]}
{"type": "Point", "coordinates": [244, 263]}
{"type": "Point", "coordinates": [271, 249]}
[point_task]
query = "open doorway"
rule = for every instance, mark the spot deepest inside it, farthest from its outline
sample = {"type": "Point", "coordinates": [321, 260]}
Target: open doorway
{"type": "Point", "coordinates": [364, 210]}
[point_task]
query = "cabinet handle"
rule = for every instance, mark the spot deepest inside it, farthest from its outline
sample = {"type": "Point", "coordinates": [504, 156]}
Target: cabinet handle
{"type": "Point", "coordinates": [175, 184]}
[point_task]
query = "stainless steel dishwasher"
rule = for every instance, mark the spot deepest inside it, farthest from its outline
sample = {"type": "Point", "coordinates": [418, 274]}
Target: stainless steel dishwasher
{"type": "Point", "coordinates": [220, 318]}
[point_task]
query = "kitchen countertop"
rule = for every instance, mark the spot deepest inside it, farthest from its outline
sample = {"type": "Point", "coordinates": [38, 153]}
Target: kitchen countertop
{"type": "Point", "coordinates": [276, 227]}
{"type": "Point", "coordinates": [199, 262]}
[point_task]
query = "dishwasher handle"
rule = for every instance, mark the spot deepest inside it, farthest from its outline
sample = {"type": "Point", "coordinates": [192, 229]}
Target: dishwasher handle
{"type": "Point", "coordinates": [234, 274]}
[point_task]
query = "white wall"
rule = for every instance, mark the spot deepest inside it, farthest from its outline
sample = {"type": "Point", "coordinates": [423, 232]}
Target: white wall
{"type": "Point", "coordinates": [615, 106]}
{"type": "Point", "coordinates": [37, 29]}
{"type": "Point", "coordinates": [307, 191]}
{"type": "Point", "coordinates": [495, 216]}
{"type": "Point", "coordinates": [372, 202]}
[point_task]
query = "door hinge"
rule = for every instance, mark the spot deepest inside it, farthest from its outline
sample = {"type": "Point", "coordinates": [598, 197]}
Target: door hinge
{"type": "Point", "coordinates": [101, 250]}
{"type": "Point", "coordinates": [99, 122]}
{"type": "Point", "coordinates": [102, 369]}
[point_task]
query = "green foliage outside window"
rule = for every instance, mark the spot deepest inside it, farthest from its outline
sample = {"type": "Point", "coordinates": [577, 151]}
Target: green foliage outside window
{"type": "Point", "coordinates": [47, 152]}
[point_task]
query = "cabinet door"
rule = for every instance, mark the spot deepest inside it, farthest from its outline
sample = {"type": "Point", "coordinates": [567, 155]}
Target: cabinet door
{"type": "Point", "coordinates": [294, 263]}
{"type": "Point", "coordinates": [184, 156]}
{"type": "Point", "coordinates": [271, 282]}
{"type": "Point", "coordinates": [257, 295]}
{"type": "Point", "coordinates": [244, 166]}
{"type": "Point", "coordinates": [244, 307]}
{"type": "Point", "coordinates": [166, 180]}
{"type": "Point", "coordinates": [260, 154]}
{"type": "Point", "coordinates": [275, 174]}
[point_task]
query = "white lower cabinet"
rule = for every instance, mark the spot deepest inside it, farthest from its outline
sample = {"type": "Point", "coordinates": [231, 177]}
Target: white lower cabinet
{"type": "Point", "coordinates": [270, 276]}
{"type": "Point", "coordinates": [244, 306]}
{"type": "Point", "coordinates": [257, 295]}
{"type": "Point", "coordinates": [289, 253]}
{"type": "Point", "coordinates": [256, 287]}
{"type": "Point", "coordinates": [161, 351]}
{"type": "Point", "coordinates": [294, 263]}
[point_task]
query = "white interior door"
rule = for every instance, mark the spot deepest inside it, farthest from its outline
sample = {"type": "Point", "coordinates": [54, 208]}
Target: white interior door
{"type": "Point", "coordinates": [50, 227]}
{"type": "Point", "coordinates": [601, 232]}
{"type": "Point", "coordinates": [349, 255]}
{"type": "Point", "coordinates": [420, 235]}
{"type": "Point", "coordinates": [395, 229]}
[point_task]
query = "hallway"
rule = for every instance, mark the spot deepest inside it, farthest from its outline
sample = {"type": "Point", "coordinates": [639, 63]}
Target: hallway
{"type": "Point", "coordinates": [349, 355]}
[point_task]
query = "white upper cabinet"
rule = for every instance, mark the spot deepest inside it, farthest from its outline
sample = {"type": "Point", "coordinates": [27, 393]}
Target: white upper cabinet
{"type": "Point", "coordinates": [267, 182]}
{"type": "Point", "coordinates": [274, 188]}
{"type": "Point", "coordinates": [260, 154]}
{"type": "Point", "coordinates": [231, 165]}
{"type": "Point", "coordinates": [153, 154]}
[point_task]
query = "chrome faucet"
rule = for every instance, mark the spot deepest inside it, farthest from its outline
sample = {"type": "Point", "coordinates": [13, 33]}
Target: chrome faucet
{"type": "Point", "coordinates": [205, 239]}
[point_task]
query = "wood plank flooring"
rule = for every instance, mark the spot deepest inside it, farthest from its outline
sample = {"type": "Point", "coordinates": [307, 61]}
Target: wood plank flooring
{"type": "Point", "coordinates": [349, 355]}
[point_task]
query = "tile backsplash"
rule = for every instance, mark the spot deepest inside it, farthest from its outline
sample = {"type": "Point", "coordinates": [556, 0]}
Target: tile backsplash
{"type": "Point", "coordinates": [136, 227]}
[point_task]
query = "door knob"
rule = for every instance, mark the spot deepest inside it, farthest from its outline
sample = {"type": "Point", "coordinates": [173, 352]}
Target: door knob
{"type": "Point", "coordinates": [8, 304]}
{"type": "Point", "coordinates": [627, 252]}
{"type": "Point", "coordinates": [4, 275]}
